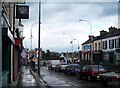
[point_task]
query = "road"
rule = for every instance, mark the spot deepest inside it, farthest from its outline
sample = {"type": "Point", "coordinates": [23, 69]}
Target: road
{"type": "Point", "coordinates": [59, 79]}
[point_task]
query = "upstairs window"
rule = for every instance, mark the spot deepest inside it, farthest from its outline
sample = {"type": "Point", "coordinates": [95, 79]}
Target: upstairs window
{"type": "Point", "coordinates": [95, 46]}
{"type": "Point", "coordinates": [99, 46]}
{"type": "Point", "coordinates": [117, 42]}
{"type": "Point", "coordinates": [111, 44]}
{"type": "Point", "coordinates": [104, 45]}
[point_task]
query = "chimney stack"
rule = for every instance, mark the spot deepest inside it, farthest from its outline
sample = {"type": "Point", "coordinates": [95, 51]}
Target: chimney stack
{"type": "Point", "coordinates": [112, 28]}
{"type": "Point", "coordinates": [103, 32]}
{"type": "Point", "coordinates": [91, 37]}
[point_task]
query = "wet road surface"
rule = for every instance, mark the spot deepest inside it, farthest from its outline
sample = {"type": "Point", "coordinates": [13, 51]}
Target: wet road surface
{"type": "Point", "coordinates": [58, 79]}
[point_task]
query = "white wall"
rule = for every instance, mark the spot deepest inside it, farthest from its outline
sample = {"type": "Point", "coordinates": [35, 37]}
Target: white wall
{"type": "Point", "coordinates": [107, 39]}
{"type": "Point", "coordinates": [97, 41]}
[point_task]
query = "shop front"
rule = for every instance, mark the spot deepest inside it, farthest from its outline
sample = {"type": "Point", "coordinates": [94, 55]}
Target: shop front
{"type": "Point", "coordinates": [7, 42]}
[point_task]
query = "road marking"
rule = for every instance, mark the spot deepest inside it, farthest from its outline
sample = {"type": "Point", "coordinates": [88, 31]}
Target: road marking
{"type": "Point", "coordinates": [72, 84]}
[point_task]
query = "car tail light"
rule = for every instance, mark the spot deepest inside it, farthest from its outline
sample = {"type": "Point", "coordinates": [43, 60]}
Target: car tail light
{"type": "Point", "coordinates": [92, 72]}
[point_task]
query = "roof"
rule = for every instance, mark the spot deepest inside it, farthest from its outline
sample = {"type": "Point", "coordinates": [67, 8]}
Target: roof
{"type": "Point", "coordinates": [112, 33]}
{"type": "Point", "coordinates": [88, 41]}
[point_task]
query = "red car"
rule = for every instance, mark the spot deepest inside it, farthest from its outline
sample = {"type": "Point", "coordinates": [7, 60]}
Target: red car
{"type": "Point", "coordinates": [91, 72]}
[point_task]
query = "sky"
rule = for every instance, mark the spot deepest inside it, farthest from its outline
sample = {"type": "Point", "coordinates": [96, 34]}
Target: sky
{"type": "Point", "coordinates": [60, 22]}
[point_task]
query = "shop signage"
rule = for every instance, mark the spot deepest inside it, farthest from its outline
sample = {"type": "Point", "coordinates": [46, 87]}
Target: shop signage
{"type": "Point", "coordinates": [22, 12]}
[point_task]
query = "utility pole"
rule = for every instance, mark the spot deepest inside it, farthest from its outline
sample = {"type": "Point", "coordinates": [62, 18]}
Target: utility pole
{"type": "Point", "coordinates": [0, 46]}
{"type": "Point", "coordinates": [39, 39]}
{"type": "Point", "coordinates": [71, 42]}
{"type": "Point", "coordinates": [91, 39]}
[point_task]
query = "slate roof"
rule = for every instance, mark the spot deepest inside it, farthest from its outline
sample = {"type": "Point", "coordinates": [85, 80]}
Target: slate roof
{"type": "Point", "coordinates": [112, 33]}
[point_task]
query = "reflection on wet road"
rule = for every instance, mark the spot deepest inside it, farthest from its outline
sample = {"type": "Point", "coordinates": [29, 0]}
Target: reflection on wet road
{"type": "Point", "coordinates": [58, 79]}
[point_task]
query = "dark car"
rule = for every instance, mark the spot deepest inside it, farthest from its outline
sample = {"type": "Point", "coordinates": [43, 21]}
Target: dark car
{"type": "Point", "coordinates": [60, 67]}
{"type": "Point", "coordinates": [72, 69]}
{"type": "Point", "coordinates": [91, 72]}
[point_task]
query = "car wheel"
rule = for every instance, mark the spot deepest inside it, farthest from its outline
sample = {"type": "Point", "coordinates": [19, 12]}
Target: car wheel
{"type": "Point", "coordinates": [89, 78]}
{"type": "Point", "coordinates": [55, 70]}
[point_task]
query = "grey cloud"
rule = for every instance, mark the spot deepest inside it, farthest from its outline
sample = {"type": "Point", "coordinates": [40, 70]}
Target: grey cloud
{"type": "Point", "coordinates": [61, 17]}
{"type": "Point", "coordinates": [108, 8]}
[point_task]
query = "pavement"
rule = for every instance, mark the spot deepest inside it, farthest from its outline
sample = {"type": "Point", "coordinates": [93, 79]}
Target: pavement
{"type": "Point", "coordinates": [27, 79]}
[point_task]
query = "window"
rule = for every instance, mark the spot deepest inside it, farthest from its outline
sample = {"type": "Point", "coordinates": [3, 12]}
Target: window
{"type": "Point", "coordinates": [99, 46]}
{"type": "Point", "coordinates": [90, 48]}
{"type": "Point", "coordinates": [87, 69]}
{"type": "Point", "coordinates": [95, 46]}
{"type": "Point", "coordinates": [104, 45]}
{"type": "Point", "coordinates": [106, 56]}
{"type": "Point", "coordinates": [117, 43]}
{"type": "Point", "coordinates": [111, 44]}
{"type": "Point", "coordinates": [118, 56]}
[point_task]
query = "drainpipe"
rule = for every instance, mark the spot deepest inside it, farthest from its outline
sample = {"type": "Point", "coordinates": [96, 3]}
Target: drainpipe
{"type": "Point", "coordinates": [0, 46]}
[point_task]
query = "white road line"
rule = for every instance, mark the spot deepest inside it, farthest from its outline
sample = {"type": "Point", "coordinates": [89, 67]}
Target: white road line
{"type": "Point", "coordinates": [72, 84]}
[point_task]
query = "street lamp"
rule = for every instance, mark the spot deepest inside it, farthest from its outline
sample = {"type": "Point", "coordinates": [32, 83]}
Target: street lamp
{"type": "Point", "coordinates": [70, 42]}
{"type": "Point", "coordinates": [78, 49]}
{"type": "Point", "coordinates": [32, 35]}
{"type": "Point", "coordinates": [91, 40]}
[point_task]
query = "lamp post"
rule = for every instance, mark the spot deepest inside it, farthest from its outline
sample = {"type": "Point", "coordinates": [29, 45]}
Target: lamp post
{"type": "Point", "coordinates": [78, 49]}
{"type": "Point", "coordinates": [31, 36]}
{"type": "Point", "coordinates": [91, 40]}
{"type": "Point", "coordinates": [70, 42]}
{"type": "Point", "coordinates": [39, 31]}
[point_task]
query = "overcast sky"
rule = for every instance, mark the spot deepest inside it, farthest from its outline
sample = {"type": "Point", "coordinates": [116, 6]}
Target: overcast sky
{"type": "Point", "coordinates": [63, 17]}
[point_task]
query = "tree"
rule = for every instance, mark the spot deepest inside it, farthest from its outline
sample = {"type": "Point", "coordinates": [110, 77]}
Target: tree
{"type": "Point", "coordinates": [48, 53]}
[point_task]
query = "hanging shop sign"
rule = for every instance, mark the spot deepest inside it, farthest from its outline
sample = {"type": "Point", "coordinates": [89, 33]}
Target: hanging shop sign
{"type": "Point", "coordinates": [22, 12]}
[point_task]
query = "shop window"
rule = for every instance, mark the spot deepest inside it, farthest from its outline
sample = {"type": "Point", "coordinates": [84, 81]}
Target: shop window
{"type": "Point", "coordinates": [4, 57]}
{"type": "Point", "coordinates": [118, 56]}
{"type": "Point", "coordinates": [106, 57]}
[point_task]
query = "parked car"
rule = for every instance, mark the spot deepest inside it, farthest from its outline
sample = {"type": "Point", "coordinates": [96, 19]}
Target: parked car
{"type": "Point", "coordinates": [60, 67]}
{"type": "Point", "coordinates": [72, 69]}
{"type": "Point", "coordinates": [52, 64]}
{"type": "Point", "coordinates": [91, 72]}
